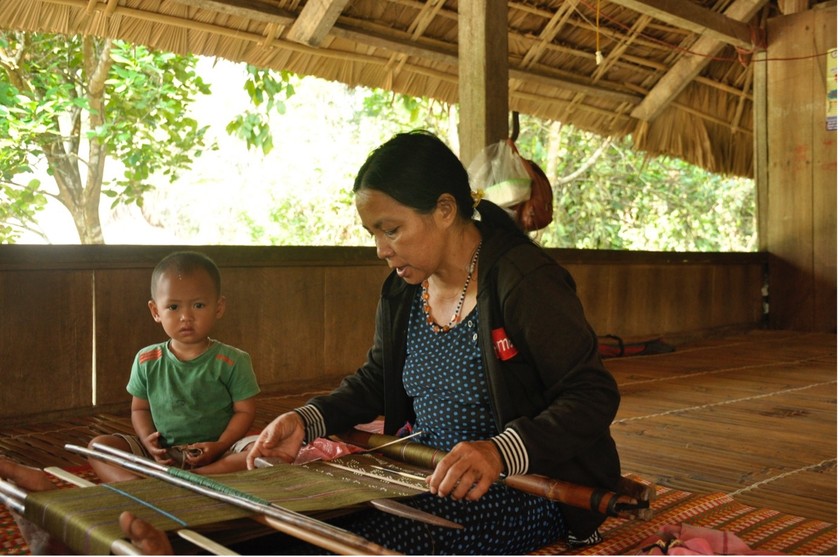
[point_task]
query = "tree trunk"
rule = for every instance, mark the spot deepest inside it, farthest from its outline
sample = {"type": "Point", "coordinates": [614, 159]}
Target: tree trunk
{"type": "Point", "coordinates": [81, 195]}
{"type": "Point", "coordinates": [552, 151]}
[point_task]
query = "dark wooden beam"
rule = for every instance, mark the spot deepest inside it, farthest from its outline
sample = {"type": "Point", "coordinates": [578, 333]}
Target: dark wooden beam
{"type": "Point", "coordinates": [250, 9]}
{"type": "Point", "coordinates": [690, 66]}
{"type": "Point", "coordinates": [427, 52]}
{"type": "Point", "coordinates": [260, 11]}
{"type": "Point", "coordinates": [691, 17]}
{"type": "Point", "coordinates": [315, 21]}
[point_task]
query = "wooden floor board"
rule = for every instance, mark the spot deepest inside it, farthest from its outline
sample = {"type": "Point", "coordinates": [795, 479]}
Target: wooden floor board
{"type": "Point", "coordinates": [752, 415]}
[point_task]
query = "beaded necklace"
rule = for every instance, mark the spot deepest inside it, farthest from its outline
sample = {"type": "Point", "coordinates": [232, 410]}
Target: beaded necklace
{"type": "Point", "coordinates": [456, 316]}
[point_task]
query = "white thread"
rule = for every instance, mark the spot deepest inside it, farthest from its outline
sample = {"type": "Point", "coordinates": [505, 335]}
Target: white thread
{"type": "Point", "coordinates": [782, 475]}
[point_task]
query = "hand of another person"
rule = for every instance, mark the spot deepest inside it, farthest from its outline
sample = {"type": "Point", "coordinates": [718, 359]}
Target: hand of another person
{"type": "Point", "coordinates": [152, 444]}
{"type": "Point", "coordinates": [282, 438]}
{"type": "Point", "coordinates": [467, 471]}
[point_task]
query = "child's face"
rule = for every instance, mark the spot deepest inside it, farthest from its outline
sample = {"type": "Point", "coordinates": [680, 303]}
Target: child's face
{"type": "Point", "coordinates": [187, 306]}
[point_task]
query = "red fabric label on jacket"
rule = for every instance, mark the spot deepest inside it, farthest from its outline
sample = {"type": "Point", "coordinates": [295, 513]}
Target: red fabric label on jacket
{"type": "Point", "coordinates": [505, 350]}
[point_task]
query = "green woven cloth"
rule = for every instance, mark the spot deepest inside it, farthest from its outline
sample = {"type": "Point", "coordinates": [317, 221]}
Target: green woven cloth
{"type": "Point", "coordinates": [86, 518]}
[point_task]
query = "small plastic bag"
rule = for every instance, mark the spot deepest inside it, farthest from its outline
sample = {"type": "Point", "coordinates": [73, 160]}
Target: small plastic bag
{"type": "Point", "coordinates": [499, 173]}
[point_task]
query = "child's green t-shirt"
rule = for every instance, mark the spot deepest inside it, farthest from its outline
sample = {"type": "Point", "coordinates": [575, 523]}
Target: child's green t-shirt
{"type": "Point", "coordinates": [192, 402]}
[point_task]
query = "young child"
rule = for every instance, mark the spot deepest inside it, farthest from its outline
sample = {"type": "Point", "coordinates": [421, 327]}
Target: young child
{"type": "Point", "coordinates": [193, 397]}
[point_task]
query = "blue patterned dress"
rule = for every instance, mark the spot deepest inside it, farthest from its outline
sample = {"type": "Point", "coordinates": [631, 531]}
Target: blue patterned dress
{"type": "Point", "coordinates": [445, 376]}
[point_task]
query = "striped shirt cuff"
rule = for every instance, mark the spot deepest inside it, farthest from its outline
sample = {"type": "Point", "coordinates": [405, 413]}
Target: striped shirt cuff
{"type": "Point", "coordinates": [313, 421]}
{"type": "Point", "coordinates": [514, 454]}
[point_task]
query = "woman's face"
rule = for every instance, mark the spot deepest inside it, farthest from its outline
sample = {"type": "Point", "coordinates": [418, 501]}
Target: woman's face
{"type": "Point", "coordinates": [408, 241]}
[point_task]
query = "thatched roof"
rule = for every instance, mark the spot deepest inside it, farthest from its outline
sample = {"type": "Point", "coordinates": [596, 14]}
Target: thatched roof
{"type": "Point", "coordinates": [676, 74]}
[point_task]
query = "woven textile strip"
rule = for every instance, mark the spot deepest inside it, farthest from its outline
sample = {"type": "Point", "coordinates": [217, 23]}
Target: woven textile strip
{"type": "Point", "coordinates": [12, 541]}
{"type": "Point", "coordinates": [86, 519]}
{"type": "Point", "coordinates": [761, 529]}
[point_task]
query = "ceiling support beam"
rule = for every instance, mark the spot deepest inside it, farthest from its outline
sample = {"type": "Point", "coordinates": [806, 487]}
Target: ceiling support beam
{"type": "Point", "coordinates": [315, 21]}
{"type": "Point", "coordinates": [690, 66]}
{"type": "Point", "coordinates": [691, 17]}
{"type": "Point", "coordinates": [249, 9]}
{"type": "Point", "coordinates": [281, 18]}
{"type": "Point", "coordinates": [371, 38]}
{"type": "Point", "coordinates": [482, 75]}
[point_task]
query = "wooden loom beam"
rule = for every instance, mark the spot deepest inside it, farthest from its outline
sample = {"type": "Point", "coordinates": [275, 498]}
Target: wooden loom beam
{"type": "Point", "coordinates": [632, 502]}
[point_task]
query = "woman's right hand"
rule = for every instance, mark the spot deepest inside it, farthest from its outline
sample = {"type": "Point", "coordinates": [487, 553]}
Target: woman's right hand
{"type": "Point", "coordinates": [282, 438]}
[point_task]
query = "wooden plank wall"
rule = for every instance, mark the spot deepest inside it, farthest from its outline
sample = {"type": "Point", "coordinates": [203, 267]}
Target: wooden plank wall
{"type": "Point", "coordinates": [74, 316]}
{"type": "Point", "coordinates": [801, 224]}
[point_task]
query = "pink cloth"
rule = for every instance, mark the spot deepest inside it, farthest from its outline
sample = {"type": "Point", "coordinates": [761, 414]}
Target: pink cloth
{"type": "Point", "coordinates": [325, 449]}
{"type": "Point", "coordinates": [695, 540]}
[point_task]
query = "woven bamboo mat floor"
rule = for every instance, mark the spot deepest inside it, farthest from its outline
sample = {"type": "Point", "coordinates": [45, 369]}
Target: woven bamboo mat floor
{"type": "Point", "coordinates": [746, 424]}
{"type": "Point", "coordinates": [752, 416]}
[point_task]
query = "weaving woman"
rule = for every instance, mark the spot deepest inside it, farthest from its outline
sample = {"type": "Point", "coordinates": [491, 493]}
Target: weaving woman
{"type": "Point", "coordinates": [482, 345]}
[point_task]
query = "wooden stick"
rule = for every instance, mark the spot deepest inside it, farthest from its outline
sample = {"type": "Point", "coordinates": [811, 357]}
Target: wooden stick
{"type": "Point", "coordinates": [68, 477]}
{"type": "Point", "coordinates": [205, 543]}
{"type": "Point", "coordinates": [585, 497]}
{"type": "Point", "coordinates": [303, 527]}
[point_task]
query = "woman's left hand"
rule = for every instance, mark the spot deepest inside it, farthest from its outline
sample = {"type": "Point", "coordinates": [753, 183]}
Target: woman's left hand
{"type": "Point", "coordinates": [468, 471]}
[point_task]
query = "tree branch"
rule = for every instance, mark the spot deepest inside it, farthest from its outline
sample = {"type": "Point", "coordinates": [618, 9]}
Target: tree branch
{"type": "Point", "coordinates": [593, 158]}
{"type": "Point", "coordinates": [11, 64]}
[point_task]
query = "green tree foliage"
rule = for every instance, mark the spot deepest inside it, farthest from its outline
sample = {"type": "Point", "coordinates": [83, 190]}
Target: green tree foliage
{"type": "Point", "coordinates": [606, 195]}
{"type": "Point", "coordinates": [267, 90]}
{"type": "Point", "coordinates": [301, 218]}
{"type": "Point", "coordinates": [407, 113]}
{"type": "Point", "coordinates": [301, 221]}
{"type": "Point", "coordinates": [609, 196]}
{"type": "Point", "coordinates": [78, 103]}
{"type": "Point", "coordinates": [71, 104]}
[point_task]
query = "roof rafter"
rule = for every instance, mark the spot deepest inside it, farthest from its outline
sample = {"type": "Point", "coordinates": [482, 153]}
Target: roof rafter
{"type": "Point", "coordinates": [656, 54]}
{"type": "Point", "coordinates": [689, 67]}
{"type": "Point", "coordinates": [258, 11]}
{"type": "Point", "coordinates": [694, 18]}
{"type": "Point", "coordinates": [416, 49]}
{"type": "Point", "coordinates": [315, 21]}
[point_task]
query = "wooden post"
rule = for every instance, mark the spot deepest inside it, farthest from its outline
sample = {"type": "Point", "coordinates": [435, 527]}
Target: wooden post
{"type": "Point", "coordinates": [760, 139]}
{"type": "Point", "coordinates": [482, 75]}
{"type": "Point", "coordinates": [802, 173]}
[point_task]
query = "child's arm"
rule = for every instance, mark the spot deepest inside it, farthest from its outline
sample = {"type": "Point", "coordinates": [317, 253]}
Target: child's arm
{"type": "Point", "coordinates": [244, 412]}
{"type": "Point", "coordinates": [144, 427]}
